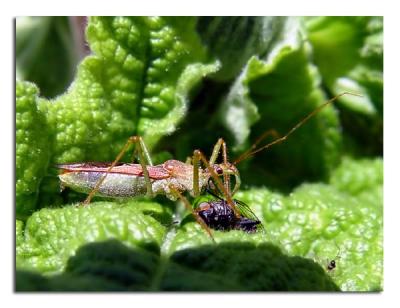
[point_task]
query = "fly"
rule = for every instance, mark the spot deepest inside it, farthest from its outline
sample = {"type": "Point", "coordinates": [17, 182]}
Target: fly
{"type": "Point", "coordinates": [218, 215]}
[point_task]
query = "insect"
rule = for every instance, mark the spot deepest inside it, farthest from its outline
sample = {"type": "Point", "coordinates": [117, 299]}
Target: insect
{"type": "Point", "coordinates": [331, 264]}
{"type": "Point", "coordinates": [218, 215]}
{"type": "Point", "coordinates": [172, 178]}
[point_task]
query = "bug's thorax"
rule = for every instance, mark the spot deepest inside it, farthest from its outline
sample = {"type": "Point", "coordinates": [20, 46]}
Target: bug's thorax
{"type": "Point", "coordinates": [182, 175]}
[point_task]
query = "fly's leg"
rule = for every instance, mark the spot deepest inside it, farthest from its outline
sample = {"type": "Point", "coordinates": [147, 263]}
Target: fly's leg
{"type": "Point", "coordinates": [195, 214]}
{"type": "Point", "coordinates": [199, 157]}
{"type": "Point", "coordinates": [144, 158]}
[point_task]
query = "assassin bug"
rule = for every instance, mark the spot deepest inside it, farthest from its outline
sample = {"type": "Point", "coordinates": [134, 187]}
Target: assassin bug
{"type": "Point", "coordinates": [171, 178]}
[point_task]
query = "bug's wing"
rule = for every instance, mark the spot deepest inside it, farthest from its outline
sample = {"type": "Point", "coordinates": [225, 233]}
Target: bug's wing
{"type": "Point", "coordinates": [133, 169]}
{"type": "Point", "coordinates": [155, 172]}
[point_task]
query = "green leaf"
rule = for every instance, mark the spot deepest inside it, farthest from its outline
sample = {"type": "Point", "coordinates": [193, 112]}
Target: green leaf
{"type": "Point", "coordinates": [32, 148]}
{"type": "Point", "coordinates": [276, 92]}
{"type": "Point", "coordinates": [51, 236]}
{"type": "Point", "coordinates": [111, 266]}
{"type": "Point", "coordinates": [138, 81]}
{"type": "Point", "coordinates": [141, 79]}
{"type": "Point", "coordinates": [233, 40]}
{"type": "Point", "coordinates": [349, 54]}
{"type": "Point", "coordinates": [316, 221]}
{"type": "Point", "coordinates": [320, 221]}
{"type": "Point", "coordinates": [46, 53]}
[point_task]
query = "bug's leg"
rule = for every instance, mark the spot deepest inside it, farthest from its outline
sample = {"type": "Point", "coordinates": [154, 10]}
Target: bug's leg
{"type": "Point", "coordinates": [215, 152]}
{"type": "Point", "coordinates": [145, 160]}
{"type": "Point", "coordinates": [101, 180]}
{"type": "Point", "coordinates": [188, 160]}
{"type": "Point", "coordinates": [195, 214]}
{"type": "Point", "coordinates": [221, 144]}
{"type": "Point", "coordinates": [130, 141]}
{"type": "Point", "coordinates": [197, 157]}
{"type": "Point", "coordinates": [143, 151]}
{"type": "Point", "coordinates": [227, 177]}
{"type": "Point", "coordinates": [196, 166]}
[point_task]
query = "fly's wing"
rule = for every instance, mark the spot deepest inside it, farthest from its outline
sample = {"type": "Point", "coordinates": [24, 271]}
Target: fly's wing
{"type": "Point", "coordinates": [245, 211]}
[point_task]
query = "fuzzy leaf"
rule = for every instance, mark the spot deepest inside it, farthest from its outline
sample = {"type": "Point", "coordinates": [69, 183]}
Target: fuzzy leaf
{"type": "Point", "coordinates": [136, 82]}
{"type": "Point", "coordinates": [32, 148]}
{"type": "Point", "coordinates": [349, 54]}
{"type": "Point", "coordinates": [111, 266]}
{"type": "Point", "coordinates": [51, 236]}
{"type": "Point", "coordinates": [317, 221]}
{"type": "Point", "coordinates": [139, 79]}
{"type": "Point", "coordinates": [276, 93]}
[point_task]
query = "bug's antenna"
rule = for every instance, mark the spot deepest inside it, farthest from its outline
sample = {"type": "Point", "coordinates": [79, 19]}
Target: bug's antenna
{"type": "Point", "coordinates": [281, 139]}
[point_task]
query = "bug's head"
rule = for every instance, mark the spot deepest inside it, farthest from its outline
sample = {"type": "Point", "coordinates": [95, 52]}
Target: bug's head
{"type": "Point", "coordinates": [230, 170]}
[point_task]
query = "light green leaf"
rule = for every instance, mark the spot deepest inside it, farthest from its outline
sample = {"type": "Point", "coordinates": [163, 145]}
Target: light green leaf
{"type": "Point", "coordinates": [136, 82]}
{"type": "Point", "coordinates": [32, 148]}
{"type": "Point", "coordinates": [140, 79]}
{"type": "Point", "coordinates": [52, 236]}
{"type": "Point", "coordinates": [316, 221]}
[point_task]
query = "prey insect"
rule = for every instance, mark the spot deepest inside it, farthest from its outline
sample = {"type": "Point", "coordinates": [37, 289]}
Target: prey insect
{"type": "Point", "coordinates": [218, 215]}
{"type": "Point", "coordinates": [173, 177]}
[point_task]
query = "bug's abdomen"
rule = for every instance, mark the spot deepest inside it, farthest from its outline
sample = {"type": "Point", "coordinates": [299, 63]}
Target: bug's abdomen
{"type": "Point", "coordinates": [114, 185]}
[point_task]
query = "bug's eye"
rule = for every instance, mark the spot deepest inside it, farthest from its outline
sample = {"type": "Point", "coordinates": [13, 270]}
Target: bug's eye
{"type": "Point", "coordinates": [219, 170]}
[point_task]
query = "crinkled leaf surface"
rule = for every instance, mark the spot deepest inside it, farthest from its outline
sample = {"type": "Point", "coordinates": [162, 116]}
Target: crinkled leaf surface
{"type": "Point", "coordinates": [349, 54]}
{"type": "Point", "coordinates": [136, 82]}
{"type": "Point", "coordinates": [135, 248]}
{"type": "Point", "coordinates": [276, 92]}
{"type": "Point", "coordinates": [32, 150]}
{"type": "Point", "coordinates": [139, 80]}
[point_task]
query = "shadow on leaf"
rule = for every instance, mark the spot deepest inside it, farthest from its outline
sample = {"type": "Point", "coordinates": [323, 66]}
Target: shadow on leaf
{"type": "Point", "coordinates": [112, 266]}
